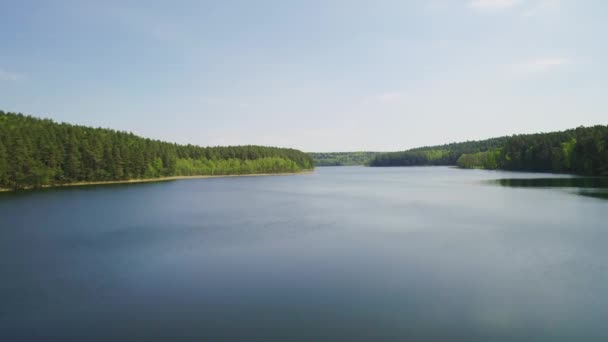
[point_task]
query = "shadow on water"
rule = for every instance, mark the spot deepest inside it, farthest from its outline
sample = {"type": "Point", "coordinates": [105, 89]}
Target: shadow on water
{"type": "Point", "coordinates": [601, 194]}
{"type": "Point", "coordinates": [596, 187]}
{"type": "Point", "coordinates": [80, 188]}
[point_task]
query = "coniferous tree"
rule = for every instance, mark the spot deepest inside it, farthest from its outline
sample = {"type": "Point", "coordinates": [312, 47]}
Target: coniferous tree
{"type": "Point", "coordinates": [37, 152]}
{"type": "Point", "coordinates": [581, 151]}
{"type": "Point", "coordinates": [3, 163]}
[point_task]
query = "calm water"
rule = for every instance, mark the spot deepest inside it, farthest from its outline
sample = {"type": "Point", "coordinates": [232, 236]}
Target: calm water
{"type": "Point", "coordinates": [344, 254]}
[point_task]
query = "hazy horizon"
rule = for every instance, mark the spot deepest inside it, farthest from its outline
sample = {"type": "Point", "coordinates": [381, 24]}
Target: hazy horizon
{"type": "Point", "coordinates": [319, 76]}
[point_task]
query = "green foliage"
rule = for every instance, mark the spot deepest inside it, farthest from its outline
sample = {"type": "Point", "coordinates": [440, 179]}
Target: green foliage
{"type": "Point", "coordinates": [567, 153]}
{"type": "Point", "coordinates": [342, 158]}
{"type": "Point", "coordinates": [233, 166]}
{"type": "Point", "coordinates": [37, 152]}
{"type": "Point", "coordinates": [435, 155]}
{"type": "Point", "coordinates": [481, 160]}
{"type": "Point", "coordinates": [3, 163]}
{"type": "Point", "coordinates": [583, 150]}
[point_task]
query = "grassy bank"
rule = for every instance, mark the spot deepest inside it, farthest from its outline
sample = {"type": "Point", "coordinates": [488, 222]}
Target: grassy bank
{"type": "Point", "coordinates": [160, 179]}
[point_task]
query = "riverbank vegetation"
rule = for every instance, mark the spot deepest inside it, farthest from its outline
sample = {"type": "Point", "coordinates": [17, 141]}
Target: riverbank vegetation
{"type": "Point", "coordinates": [342, 158]}
{"type": "Point", "coordinates": [446, 154]}
{"type": "Point", "coordinates": [40, 152]}
{"type": "Point", "coordinates": [583, 150]}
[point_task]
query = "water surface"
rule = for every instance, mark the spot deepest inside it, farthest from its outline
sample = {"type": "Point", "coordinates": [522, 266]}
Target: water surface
{"type": "Point", "coordinates": [585, 186]}
{"type": "Point", "coordinates": [344, 254]}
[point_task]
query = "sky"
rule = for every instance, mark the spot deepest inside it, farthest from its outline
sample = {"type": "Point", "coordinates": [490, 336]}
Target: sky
{"type": "Point", "coordinates": [331, 75]}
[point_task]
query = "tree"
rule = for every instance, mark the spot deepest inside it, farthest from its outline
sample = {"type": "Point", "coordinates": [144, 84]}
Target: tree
{"type": "Point", "coordinates": [3, 164]}
{"type": "Point", "coordinates": [36, 152]}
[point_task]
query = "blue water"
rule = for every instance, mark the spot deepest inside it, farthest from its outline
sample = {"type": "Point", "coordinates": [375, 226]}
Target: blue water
{"type": "Point", "coordinates": [343, 254]}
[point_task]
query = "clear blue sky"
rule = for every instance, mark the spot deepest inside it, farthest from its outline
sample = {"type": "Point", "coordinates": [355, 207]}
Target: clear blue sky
{"type": "Point", "coordinates": [314, 75]}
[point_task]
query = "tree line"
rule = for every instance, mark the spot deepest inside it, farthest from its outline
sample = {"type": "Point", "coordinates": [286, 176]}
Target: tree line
{"type": "Point", "coordinates": [446, 154]}
{"type": "Point", "coordinates": [342, 158]}
{"type": "Point", "coordinates": [583, 150]}
{"type": "Point", "coordinates": [37, 152]}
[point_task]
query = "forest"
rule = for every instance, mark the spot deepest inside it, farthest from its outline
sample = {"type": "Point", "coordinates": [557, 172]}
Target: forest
{"type": "Point", "coordinates": [447, 154]}
{"type": "Point", "coordinates": [40, 152]}
{"type": "Point", "coordinates": [342, 158]}
{"type": "Point", "coordinates": [583, 150]}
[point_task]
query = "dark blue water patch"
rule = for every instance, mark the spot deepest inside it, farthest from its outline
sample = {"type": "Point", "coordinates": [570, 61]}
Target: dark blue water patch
{"type": "Point", "coordinates": [599, 194]}
{"type": "Point", "coordinates": [594, 187]}
{"type": "Point", "coordinates": [559, 182]}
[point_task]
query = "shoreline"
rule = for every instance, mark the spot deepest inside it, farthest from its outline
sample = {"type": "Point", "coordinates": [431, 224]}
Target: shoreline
{"type": "Point", "coordinates": [160, 179]}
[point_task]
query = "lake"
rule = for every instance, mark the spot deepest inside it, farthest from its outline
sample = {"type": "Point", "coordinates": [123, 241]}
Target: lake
{"type": "Point", "coordinates": [342, 254]}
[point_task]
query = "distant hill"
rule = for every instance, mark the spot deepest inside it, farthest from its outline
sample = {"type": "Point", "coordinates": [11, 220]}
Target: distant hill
{"type": "Point", "coordinates": [342, 158]}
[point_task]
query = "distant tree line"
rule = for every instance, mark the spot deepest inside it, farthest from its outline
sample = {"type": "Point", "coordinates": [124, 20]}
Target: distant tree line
{"type": "Point", "coordinates": [583, 150]}
{"type": "Point", "coordinates": [36, 152]}
{"type": "Point", "coordinates": [446, 154]}
{"type": "Point", "coordinates": [342, 158]}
